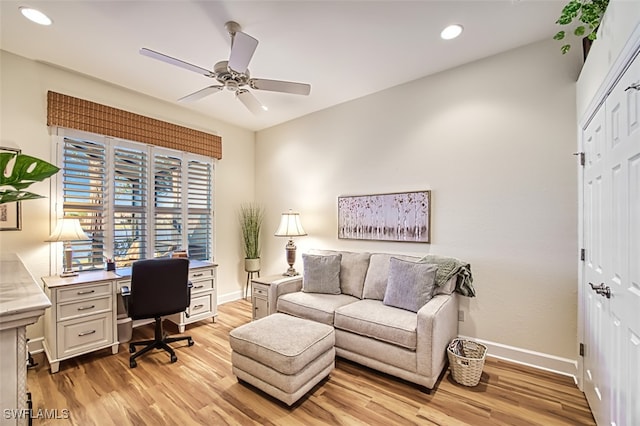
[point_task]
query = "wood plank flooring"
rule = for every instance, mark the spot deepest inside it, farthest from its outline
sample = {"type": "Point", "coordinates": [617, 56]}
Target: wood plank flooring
{"type": "Point", "coordinates": [101, 389]}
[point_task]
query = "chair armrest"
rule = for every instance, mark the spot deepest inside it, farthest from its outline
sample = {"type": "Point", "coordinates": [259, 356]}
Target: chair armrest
{"type": "Point", "coordinates": [283, 286]}
{"type": "Point", "coordinates": [437, 326]}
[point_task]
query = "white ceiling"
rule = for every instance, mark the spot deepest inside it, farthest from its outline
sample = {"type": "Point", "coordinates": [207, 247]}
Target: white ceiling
{"type": "Point", "coordinates": [344, 49]}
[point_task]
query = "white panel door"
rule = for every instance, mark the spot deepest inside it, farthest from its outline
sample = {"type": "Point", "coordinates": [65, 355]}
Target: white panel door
{"type": "Point", "coordinates": [623, 274]}
{"type": "Point", "coordinates": [611, 226]}
{"type": "Point", "coordinates": [596, 307]}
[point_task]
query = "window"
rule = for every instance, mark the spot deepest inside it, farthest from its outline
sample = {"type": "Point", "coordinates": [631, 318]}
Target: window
{"type": "Point", "coordinates": [136, 201]}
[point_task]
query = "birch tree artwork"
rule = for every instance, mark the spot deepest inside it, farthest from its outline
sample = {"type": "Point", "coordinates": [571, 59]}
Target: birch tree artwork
{"type": "Point", "coordinates": [403, 216]}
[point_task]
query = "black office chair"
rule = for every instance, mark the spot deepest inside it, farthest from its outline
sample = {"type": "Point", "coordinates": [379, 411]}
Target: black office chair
{"type": "Point", "coordinates": [159, 287]}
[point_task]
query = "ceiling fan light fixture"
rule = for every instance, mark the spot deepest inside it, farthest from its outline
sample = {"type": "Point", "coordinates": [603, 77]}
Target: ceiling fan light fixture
{"type": "Point", "coordinates": [451, 32]}
{"type": "Point", "coordinates": [34, 15]}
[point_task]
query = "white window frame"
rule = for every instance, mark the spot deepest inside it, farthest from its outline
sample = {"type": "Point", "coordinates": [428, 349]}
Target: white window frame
{"type": "Point", "coordinates": [59, 134]}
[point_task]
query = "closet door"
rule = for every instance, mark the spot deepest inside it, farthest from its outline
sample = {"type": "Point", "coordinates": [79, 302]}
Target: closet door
{"type": "Point", "coordinates": [611, 195]}
{"type": "Point", "coordinates": [623, 251]}
{"type": "Point", "coordinates": [596, 308]}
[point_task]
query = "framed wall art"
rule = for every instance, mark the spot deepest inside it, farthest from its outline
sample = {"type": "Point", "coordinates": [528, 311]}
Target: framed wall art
{"type": "Point", "coordinates": [401, 216]}
{"type": "Point", "coordinates": [10, 212]}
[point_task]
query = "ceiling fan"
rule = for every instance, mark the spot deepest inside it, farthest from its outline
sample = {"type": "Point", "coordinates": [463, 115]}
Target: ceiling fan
{"type": "Point", "coordinates": [233, 74]}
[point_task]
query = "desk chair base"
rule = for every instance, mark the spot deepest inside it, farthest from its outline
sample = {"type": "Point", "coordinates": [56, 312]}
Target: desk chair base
{"type": "Point", "coordinates": [160, 341]}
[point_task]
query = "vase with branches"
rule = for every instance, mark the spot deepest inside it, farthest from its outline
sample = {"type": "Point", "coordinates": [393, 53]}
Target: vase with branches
{"type": "Point", "coordinates": [251, 217]}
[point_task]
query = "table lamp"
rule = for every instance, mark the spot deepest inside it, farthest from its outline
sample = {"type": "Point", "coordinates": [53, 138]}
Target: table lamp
{"type": "Point", "coordinates": [67, 230]}
{"type": "Point", "coordinates": [290, 227]}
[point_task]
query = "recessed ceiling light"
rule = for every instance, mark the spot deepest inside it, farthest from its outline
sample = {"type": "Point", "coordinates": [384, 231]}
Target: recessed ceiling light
{"type": "Point", "coordinates": [451, 32]}
{"type": "Point", "coordinates": [35, 15]}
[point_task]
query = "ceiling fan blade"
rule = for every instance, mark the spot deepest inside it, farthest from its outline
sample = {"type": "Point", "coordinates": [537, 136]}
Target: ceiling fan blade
{"type": "Point", "coordinates": [195, 96]}
{"type": "Point", "coordinates": [242, 48]}
{"type": "Point", "coordinates": [173, 61]}
{"type": "Point", "coordinates": [250, 101]}
{"type": "Point", "coordinates": [280, 86]}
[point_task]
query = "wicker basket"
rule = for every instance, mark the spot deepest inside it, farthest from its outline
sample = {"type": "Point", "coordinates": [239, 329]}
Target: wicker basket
{"type": "Point", "coordinates": [466, 368]}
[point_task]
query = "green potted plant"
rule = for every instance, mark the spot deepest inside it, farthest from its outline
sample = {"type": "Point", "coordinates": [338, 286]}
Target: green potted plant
{"type": "Point", "coordinates": [251, 216]}
{"type": "Point", "coordinates": [16, 176]}
{"type": "Point", "coordinates": [587, 15]}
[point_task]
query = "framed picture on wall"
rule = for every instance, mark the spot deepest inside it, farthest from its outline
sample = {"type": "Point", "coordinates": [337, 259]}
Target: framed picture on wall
{"type": "Point", "coordinates": [10, 212]}
{"type": "Point", "coordinates": [400, 216]}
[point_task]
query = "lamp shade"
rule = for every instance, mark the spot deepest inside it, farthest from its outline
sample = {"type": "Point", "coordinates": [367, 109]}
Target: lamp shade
{"type": "Point", "coordinates": [68, 229]}
{"type": "Point", "coordinates": [290, 225]}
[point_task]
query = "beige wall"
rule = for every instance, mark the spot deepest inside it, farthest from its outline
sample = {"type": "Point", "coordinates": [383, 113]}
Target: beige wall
{"type": "Point", "coordinates": [493, 141]}
{"type": "Point", "coordinates": [24, 86]}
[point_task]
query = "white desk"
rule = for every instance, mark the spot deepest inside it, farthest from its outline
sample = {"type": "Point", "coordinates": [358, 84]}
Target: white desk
{"type": "Point", "coordinates": [22, 302]}
{"type": "Point", "coordinates": [84, 312]}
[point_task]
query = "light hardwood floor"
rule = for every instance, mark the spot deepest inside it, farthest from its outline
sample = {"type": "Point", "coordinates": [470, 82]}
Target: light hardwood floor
{"type": "Point", "coordinates": [101, 389]}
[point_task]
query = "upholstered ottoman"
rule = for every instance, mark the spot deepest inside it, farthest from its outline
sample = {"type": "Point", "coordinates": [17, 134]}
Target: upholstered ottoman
{"type": "Point", "coordinates": [282, 355]}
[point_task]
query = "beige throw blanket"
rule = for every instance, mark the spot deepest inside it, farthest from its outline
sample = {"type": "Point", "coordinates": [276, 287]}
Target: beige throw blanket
{"type": "Point", "coordinates": [449, 267]}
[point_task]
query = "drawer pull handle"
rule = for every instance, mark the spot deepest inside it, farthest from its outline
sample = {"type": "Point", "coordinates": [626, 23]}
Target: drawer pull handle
{"type": "Point", "coordinates": [86, 291]}
{"type": "Point", "coordinates": [198, 307]}
{"type": "Point", "coordinates": [198, 286]}
{"type": "Point", "coordinates": [86, 333]}
{"type": "Point", "coordinates": [198, 275]}
{"type": "Point", "coordinates": [84, 308]}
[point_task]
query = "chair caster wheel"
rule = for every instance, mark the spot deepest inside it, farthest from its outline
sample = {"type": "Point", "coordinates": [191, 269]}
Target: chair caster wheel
{"type": "Point", "coordinates": [132, 349]}
{"type": "Point", "coordinates": [190, 342]}
{"type": "Point", "coordinates": [174, 358]}
{"type": "Point", "coordinates": [133, 363]}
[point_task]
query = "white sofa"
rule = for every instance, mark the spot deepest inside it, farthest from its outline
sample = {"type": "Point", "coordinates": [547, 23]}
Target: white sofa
{"type": "Point", "coordinates": [406, 344]}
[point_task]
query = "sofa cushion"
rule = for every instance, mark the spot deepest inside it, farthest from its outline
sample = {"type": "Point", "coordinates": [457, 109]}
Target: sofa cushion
{"type": "Point", "coordinates": [353, 269]}
{"type": "Point", "coordinates": [410, 285]}
{"type": "Point", "coordinates": [314, 306]}
{"type": "Point", "coordinates": [321, 273]}
{"type": "Point", "coordinates": [371, 318]}
{"type": "Point", "coordinates": [375, 283]}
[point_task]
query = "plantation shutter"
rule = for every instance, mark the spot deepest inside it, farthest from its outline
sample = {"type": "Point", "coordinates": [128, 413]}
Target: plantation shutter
{"type": "Point", "coordinates": [168, 220]}
{"type": "Point", "coordinates": [199, 210]}
{"type": "Point", "coordinates": [84, 197]}
{"type": "Point", "coordinates": [130, 205]}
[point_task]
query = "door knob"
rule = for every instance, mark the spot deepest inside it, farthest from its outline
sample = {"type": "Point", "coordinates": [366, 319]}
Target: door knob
{"type": "Point", "coordinates": [602, 290]}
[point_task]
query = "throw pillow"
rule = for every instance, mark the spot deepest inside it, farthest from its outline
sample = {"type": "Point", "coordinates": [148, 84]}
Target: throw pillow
{"type": "Point", "coordinates": [321, 273]}
{"type": "Point", "coordinates": [353, 269]}
{"type": "Point", "coordinates": [410, 285]}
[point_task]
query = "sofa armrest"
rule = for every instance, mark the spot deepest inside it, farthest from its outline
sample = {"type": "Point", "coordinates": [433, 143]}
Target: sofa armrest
{"type": "Point", "coordinates": [283, 286]}
{"type": "Point", "coordinates": [437, 326]}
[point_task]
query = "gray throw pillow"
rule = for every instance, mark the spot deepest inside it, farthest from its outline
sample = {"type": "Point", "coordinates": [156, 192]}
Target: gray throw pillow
{"type": "Point", "coordinates": [321, 273]}
{"type": "Point", "coordinates": [410, 285]}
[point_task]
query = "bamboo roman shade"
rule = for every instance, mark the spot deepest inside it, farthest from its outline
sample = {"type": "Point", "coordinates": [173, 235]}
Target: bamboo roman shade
{"type": "Point", "coordinates": [73, 113]}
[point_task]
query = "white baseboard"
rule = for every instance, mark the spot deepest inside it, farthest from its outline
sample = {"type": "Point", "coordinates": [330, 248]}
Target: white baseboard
{"type": "Point", "coordinates": [542, 361]}
{"type": "Point", "coordinates": [555, 364]}
{"type": "Point", "coordinates": [229, 297]}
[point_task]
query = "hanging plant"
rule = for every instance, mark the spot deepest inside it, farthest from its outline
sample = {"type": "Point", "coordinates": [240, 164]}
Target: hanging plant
{"type": "Point", "coordinates": [17, 175]}
{"type": "Point", "coordinates": [587, 13]}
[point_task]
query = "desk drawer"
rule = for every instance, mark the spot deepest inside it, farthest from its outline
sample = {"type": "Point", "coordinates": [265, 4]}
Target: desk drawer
{"type": "Point", "coordinates": [83, 308]}
{"type": "Point", "coordinates": [202, 285]}
{"type": "Point", "coordinates": [84, 334]}
{"type": "Point", "coordinates": [201, 305]}
{"type": "Point", "coordinates": [78, 292]}
{"type": "Point", "coordinates": [201, 273]}
{"type": "Point", "coordinates": [260, 290]}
